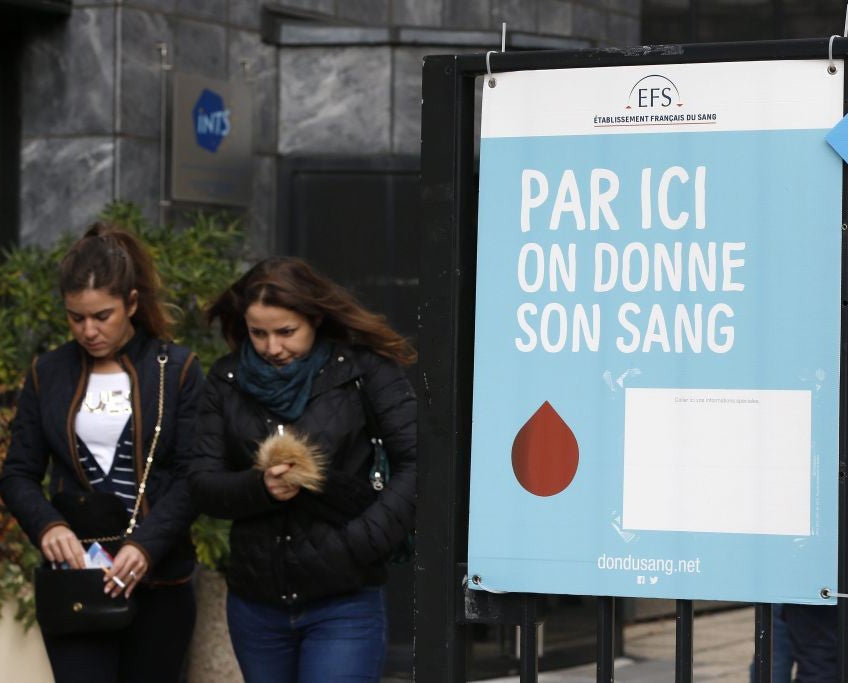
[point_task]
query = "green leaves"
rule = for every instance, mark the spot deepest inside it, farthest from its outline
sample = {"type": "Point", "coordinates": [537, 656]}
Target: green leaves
{"type": "Point", "coordinates": [18, 560]}
{"type": "Point", "coordinates": [212, 541]}
{"type": "Point", "coordinates": [32, 318]}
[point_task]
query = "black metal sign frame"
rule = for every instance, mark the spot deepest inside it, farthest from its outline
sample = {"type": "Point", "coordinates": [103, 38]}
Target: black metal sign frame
{"type": "Point", "coordinates": [444, 608]}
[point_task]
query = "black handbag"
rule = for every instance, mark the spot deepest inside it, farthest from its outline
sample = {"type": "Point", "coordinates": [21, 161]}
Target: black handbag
{"type": "Point", "coordinates": [379, 475]}
{"type": "Point", "coordinates": [72, 601]}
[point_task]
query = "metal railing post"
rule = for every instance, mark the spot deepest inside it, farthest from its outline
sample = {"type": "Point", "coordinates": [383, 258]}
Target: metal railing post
{"type": "Point", "coordinates": [762, 642]}
{"type": "Point", "coordinates": [606, 640]}
{"type": "Point", "coordinates": [446, 351]}
{"type": "Point", "coordinates": [684, 642]}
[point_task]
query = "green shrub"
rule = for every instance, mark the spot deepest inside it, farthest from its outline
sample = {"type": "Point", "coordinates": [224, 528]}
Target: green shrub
{"type": "Point", "coordinates": [32, 319]}
{"type": "Point", "coordinates": [196, 263]}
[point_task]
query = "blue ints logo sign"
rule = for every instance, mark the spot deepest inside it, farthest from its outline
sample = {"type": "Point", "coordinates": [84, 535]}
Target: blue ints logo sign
{"type": "Point", "coordinates": [652, 92]}
{"type": "Point", "coordinates": [211, 120]}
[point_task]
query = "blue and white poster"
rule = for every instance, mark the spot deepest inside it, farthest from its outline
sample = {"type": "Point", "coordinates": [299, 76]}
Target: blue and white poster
{"type": "Point", "coordinates": [656, 378]}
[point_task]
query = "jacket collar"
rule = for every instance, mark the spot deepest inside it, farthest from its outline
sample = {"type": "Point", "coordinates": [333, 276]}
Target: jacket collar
{"type": "Point", "coordinates": [342, 367]}
{"type": "Point", "coordinates": [133, 349]}
{"type": "Point", "coordinates": [135, 346]}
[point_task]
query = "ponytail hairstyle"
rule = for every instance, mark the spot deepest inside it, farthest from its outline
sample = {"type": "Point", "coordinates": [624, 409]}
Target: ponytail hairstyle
{"type": "Point", "coordinates": [107, 257]}
{"type": "Point", "coordinates": [291, 283]}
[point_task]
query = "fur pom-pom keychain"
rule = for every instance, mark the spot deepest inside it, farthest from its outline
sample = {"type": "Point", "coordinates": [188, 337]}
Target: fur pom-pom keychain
{"type": "Point", "coordinates": [308, 463]}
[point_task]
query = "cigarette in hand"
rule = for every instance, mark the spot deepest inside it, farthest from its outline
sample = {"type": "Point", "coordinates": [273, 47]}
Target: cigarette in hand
{"type": "Point", "coordinates": [117, 581]}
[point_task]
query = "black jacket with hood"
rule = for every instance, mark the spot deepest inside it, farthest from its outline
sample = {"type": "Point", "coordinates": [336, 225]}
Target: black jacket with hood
{"type": "Point", "coordinates": [315, 544]}
{"type": "Point", "coordinates": [43, 433]}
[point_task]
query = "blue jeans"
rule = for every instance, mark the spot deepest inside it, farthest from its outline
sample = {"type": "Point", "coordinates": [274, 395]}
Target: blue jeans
{"type": "Point", "coordinates": [328, 640]}
{"type": "Point", "coordinates": [814, 630]}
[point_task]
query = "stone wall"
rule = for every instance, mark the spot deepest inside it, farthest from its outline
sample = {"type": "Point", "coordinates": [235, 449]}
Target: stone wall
{"type": "Point", "coordinates": [380, 84]}
{"type": "Point", "coordinates": [669, 21]}
{"type": "Point", "coordinates": [91, 104]}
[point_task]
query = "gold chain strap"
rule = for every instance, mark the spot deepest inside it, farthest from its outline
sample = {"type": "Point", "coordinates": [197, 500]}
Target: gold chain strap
{"type": "Point", "coordinates": [161, 359]}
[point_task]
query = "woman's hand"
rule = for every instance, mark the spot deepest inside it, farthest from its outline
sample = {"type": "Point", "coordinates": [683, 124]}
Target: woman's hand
{"type": "Point", "coordinates": [60, 544]}
{"type": "Point", "coordinates": [129, 566]}
{"type": "Point", "coordinates": [275, 482]}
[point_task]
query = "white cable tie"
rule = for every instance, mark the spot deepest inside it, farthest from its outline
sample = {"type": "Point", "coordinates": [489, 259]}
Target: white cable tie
{"type": "Point", "coordinates": [492, 81]}
{"type": "Point", "coordinates": [845, 32]}
{"type": "Point", "coordinates": [831, 68]}
{"type": "Point", "coordinates": [827, 593]}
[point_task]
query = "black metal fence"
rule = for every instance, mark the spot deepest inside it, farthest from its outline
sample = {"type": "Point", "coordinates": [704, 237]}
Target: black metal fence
{"type": "Point", "coordinates": [444, 608]}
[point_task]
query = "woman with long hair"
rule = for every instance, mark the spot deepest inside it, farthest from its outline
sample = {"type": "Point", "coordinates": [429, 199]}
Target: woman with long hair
{"type": "Point", "coordinates": [111, 414]}
{"type": "Point", "coordinates": [285, 450]}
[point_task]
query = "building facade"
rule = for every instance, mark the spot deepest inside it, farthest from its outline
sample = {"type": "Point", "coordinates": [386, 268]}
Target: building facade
{"type": "Point", "coordinates": [334, 78]}
{"type": "Point", "coordinates": [714, 21]}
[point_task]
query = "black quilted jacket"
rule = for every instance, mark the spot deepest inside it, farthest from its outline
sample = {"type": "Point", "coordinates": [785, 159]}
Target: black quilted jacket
{"type": "Point", "coordinates": [313, 545]}
{"type": "Point", "coordinates": [43, 434]}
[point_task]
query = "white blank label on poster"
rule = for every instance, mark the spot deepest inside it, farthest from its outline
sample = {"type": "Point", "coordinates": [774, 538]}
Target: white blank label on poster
{"type": "Point", "coordinates": [714, 460]}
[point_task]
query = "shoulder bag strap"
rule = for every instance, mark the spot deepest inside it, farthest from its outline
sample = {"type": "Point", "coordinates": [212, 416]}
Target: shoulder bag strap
{"type": "Point", "coordinates": [379, 474]}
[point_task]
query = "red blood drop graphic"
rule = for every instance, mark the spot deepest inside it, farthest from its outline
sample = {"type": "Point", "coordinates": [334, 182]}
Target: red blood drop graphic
{"type": "Point", "coordinates": [545, 453]}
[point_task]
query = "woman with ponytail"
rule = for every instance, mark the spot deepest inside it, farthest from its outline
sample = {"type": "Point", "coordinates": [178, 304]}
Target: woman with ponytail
{"type": "Point", "coordinates": [111, 414]}
{"type": "Point", "coordinates": [285, 450]}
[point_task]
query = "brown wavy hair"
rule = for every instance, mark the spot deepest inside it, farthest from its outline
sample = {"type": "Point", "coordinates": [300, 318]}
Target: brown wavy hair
{"type": "Point", "coordinates": [107, 257]}
{"type": "Point", "coordinates": [292, 283]}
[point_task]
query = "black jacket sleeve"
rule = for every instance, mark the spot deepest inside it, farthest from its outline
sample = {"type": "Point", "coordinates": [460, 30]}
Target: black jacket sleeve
{"type": "Point", "coordinates": [25, 467]}
{"type": "Point", "coordinates": [216, 488]}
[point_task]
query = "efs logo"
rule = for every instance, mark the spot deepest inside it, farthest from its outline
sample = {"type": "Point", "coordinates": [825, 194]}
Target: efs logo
{"type": "Point", "coordinates": [652, 92]}
{"type": "Point", "coordinates": [211, 120]}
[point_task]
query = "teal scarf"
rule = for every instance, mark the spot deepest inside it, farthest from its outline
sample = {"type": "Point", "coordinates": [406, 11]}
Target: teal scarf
{"type": "Point", "coordinates": [284, 390]}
